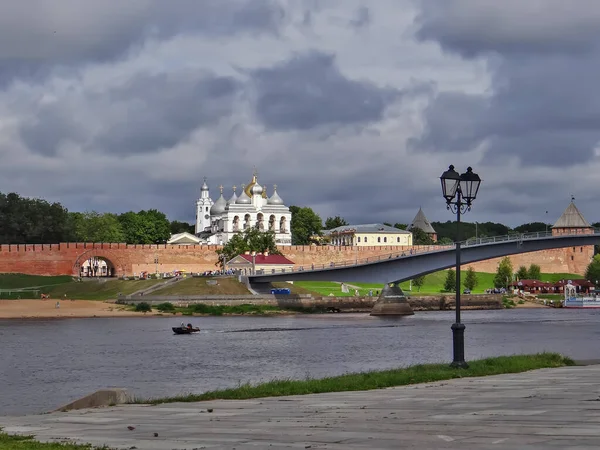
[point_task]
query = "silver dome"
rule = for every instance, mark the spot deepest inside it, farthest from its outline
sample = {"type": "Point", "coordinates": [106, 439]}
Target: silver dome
{"type": "Point", "coordinates": [275, 198]}
{"type": "Point", "coordinates": [204, 186]}
{"type": "Point", "coordinates": [233, 198]}
{"type": "Point", "coordinates": [243, 199]}
{"type": "Point", "coordinates": [219, 206]}
{"type": "Point", "coordinates": [256, 189]}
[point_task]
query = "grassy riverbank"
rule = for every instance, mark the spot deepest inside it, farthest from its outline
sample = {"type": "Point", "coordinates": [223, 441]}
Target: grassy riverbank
{"type": "Point", "coordinates": [201, 309]}
{"type": "Point", "coordinates": [10, 442]}
{"type": "Point", "coordinates": [378, 379]}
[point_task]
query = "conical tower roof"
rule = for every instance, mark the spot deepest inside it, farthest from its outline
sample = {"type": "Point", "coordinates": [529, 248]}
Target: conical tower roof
{"type": "Point", "coordinates": [572, 218]}
{"type": "Point", "coordinates": [420, 221]}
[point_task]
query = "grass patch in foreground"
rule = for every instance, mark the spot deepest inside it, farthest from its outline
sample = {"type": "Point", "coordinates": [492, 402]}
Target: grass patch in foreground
{"type": "Point", "coordinates": [424, 373]}
{"type": "Point", "coordinates": [11, 442]}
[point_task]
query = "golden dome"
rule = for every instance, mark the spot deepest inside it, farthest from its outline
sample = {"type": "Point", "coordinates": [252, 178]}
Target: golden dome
{"type": "Point", "coordinates": [264, 194]}
{"type": "Point", "coordinates": [248, 188]}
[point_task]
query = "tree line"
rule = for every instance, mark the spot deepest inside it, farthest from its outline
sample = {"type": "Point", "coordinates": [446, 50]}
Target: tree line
{"type": "Point", "coordinates": [37, 221]}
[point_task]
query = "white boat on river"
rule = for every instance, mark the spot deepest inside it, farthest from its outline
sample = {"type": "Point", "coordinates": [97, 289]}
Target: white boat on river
{"type": "Point", "coordinates": [572, 300]}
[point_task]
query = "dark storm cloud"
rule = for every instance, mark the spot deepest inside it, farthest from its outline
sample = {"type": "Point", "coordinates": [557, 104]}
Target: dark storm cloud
{"type": "Point", "coordinates": [146, 114]}
{"type": "Point", "coordinates": [473, 27]}
{"type": "Point", "coordinates": [452, 123]}
{"type": "Point", "coordinates": [38, 34]}
{"type": "Point", "coordinates": [543, 108]}
{"type": "Point", "coordinates": [162, 110]}
{"type": "Point", "coordinates": [309, 91]}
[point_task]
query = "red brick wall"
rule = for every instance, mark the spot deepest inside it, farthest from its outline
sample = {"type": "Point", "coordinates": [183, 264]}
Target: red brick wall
{"type": "Point", "coordinates": [61, 259]}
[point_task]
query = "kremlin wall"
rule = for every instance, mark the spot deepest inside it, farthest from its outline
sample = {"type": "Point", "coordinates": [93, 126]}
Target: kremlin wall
{"type": "Point", "coordinates": [66, 258]}
{"type": "Point", "coordinates": [128, 259]}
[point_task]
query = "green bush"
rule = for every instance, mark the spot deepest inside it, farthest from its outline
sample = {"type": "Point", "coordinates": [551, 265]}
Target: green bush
{"type": "Point", "coordinates": [143, 307]}
{"type": "Point", "coordinates": [166, 307]}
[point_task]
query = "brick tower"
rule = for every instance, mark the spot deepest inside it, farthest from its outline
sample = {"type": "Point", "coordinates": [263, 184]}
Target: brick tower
{"type": "Point", "coordinates": [573, 222]}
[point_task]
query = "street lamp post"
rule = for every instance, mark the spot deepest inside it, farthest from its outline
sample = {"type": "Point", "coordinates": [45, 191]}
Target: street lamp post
{"type": "Point", "coordinates": [459, 191]}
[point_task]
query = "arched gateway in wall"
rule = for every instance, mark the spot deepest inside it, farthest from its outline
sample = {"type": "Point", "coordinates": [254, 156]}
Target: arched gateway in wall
{"type": "Point", "coordinates": [98, 263]}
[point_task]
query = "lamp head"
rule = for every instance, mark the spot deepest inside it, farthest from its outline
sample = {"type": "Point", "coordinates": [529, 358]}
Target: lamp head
{"type": "Point", "coordinates": [469, 185]}
{"type": "Point", "coordinates": [450, 183]}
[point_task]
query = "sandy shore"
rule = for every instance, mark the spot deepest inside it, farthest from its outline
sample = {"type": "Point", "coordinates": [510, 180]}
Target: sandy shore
{"type": "Point", "coordinates": [37, 309]}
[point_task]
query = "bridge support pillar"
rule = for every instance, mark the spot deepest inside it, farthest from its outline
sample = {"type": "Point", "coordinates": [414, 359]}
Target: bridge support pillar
{"type": "Point", "coordinates": [392, 302]}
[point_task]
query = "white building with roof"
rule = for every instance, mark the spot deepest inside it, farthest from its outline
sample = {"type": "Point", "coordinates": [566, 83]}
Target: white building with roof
{"type": "Point", "coordinates": [253, 208]}
{"type": "Point", "coordinates": [371, 234]}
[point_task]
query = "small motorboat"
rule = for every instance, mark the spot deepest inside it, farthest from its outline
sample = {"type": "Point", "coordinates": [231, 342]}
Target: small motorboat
{"type": "Point", "coordinates": [185, 330]}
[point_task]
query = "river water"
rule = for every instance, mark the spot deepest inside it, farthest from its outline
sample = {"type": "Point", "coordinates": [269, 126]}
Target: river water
{"type": "Point", "coordinates": [47, 363]}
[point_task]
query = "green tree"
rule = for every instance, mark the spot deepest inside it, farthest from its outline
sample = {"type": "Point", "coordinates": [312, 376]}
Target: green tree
{"type": "Point", "coordinates": [420, 237]}
{"type": "Point", "coordinates": [91, 226]}
{"type": "Point", "coordinates": [252, 240]}
{"type": "Point", "coordinates": [471, 280]}
{"type": "Point", "coordinates": [334, 222]}
{"type": "Point", "coordinates": [304, 225]}
{"type": "Point", "coordinates": [418, 282]}
{"type": "Point", "coordinates": [504, 273]}
{"type": "Point", "coordinates": [145, 227]}
{"type": "Point", "coordinates": [33, 221]}
{"type": "Point", "coordinates": [450, 281]}
{"type": "Point", "coordinates": [522, 273]}
{"type": "Point", "coordinates": [534, 272]}
{"type": "Point", "coordinates": [592, 272]}
{"type": "Point", "coordinates": [401, 226]}
{"type": "Point", "coordinates": [182, 227]}
{"type": "Point", "coordinates": [532, 227]}
{"type": "Point", "coordinates": [444, 241]}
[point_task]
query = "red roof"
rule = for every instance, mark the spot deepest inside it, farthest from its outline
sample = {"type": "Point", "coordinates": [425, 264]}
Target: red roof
{"type": "Point", "coordinates": [531, 283]}
{"type": "Point", "coordinates": [538, 283]}
{"type": "Point", "coordinates": [269, 259]}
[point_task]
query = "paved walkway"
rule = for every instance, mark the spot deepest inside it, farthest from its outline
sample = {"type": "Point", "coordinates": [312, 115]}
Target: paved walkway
{"type": "Point", "coordinates": [544, 409]}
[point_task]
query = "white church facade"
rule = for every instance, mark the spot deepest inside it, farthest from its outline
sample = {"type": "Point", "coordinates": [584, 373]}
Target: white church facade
{"type": "Point", "coordinates": [219, 221]}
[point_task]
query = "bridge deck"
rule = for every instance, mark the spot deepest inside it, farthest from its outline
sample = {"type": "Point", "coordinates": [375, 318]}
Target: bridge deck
{"type": "Point", "coordinates": [484, 248]}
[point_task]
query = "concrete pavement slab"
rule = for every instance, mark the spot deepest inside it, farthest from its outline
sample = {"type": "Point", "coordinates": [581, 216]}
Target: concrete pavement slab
{"type": "Point", "coordinates": [548, 408]}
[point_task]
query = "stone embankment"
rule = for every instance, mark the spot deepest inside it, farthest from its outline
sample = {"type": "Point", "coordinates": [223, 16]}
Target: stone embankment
{"type": "Point", "coordinates": [345, 304]}
{"type": "Point", "coordinates": [447, 302]}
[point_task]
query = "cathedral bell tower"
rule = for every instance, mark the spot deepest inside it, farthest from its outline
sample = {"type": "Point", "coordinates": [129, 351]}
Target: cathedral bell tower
{"type": "Point", "coordinates": [203, 206]}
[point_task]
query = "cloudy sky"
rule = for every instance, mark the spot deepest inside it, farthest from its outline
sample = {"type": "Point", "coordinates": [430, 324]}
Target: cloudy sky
{"type": "Point", "coordinates": [351, 107]}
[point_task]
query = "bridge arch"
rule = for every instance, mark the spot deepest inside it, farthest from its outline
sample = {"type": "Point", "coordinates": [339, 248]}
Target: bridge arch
{"type": "Point", "coordinates": [98, 262]}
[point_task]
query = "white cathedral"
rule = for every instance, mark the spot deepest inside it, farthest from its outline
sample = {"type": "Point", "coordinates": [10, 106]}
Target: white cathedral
{"type": "Point", "coordinates": [217, 222]}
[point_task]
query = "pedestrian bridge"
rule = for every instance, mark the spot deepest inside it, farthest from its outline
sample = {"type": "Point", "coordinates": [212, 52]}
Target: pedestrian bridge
{"type": "Point", "coordinates": [397, 267]}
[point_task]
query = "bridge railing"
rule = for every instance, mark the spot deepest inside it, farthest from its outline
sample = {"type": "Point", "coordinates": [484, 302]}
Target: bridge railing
{"type": "Point", "coordinates": [513, 237]}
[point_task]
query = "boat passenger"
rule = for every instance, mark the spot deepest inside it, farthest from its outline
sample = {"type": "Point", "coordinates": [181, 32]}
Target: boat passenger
{"type": "Point", "coordinates": [182, 325]}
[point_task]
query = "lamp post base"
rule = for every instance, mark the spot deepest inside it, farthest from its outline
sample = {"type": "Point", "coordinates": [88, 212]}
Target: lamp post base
{"type": "Point", "coordinates": [458, 344]}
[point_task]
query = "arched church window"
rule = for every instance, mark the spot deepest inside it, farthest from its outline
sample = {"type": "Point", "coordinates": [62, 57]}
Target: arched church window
{"type": "Point", "coordinates": [260, 222]}
{"type": "Point", "coordinates": [272, 221]}
{"type": "Point", "coordinates": [246, 221]}
{"type": "Point", "coordinates": [282, 225]}
{"type": "Point", "coordinates": [378, 239]}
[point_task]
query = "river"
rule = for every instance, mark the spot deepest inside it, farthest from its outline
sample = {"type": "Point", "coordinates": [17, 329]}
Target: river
{"type": "Point", "coordinates": [48, 363]}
